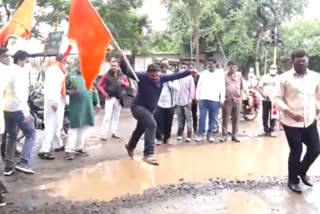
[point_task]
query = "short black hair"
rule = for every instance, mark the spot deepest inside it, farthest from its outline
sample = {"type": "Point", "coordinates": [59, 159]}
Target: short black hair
{"type": "Point", "coordinates": [231, 63]}
{"type": "Point", "coordinates": [298, 53]}
{"type": "Point", "coordinates": [153, 68]}
{"type": "Point", "coordinates": [184, 63]}
{"type": "Point", "coordinates": [211, 59]}
{"type": "Point", "coordinates": [163, 65]}
{"type": "Point", "coordinates": [20, 55]}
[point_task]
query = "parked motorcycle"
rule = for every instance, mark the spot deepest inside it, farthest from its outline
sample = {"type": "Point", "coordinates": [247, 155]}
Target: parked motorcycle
{"type": "Point", "coordinates": [250, 107]}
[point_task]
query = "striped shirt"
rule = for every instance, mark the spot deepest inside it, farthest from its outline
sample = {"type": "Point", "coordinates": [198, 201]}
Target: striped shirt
{"type": "Point", "coordinates": [185, 93]}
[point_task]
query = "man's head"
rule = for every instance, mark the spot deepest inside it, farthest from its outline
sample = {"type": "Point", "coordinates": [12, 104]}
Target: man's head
{"type": "Point", "coordinates": [183, 66]}
{"type": "Point", "coordinates": [163, 68]}
{"type": "Point", "coordinates": [300, 61]}
{"type": "Point", "coordinates": [190, 66]}
{"type": "Point", "coordinates": [232, 66]}
{"type": "Point", "coordinates": [165, 61]}
{"type": "Point", "coordinates": [211, 64]}
{"type": "Point", "coordinates": [21, 58]}
{"type": "Point", "coordinates": [153, 72]}
{"type": "Point", "coordinates": [63, 61]}
{"type": "Point", "coordinates": [273, 70]}
{"type": "Point", "coordinates": [4, 56]}
{"type": "Point", "coordinates": [114, 64]}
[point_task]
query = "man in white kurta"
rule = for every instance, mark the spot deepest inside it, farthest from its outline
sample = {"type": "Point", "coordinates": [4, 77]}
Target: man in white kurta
{"type": "Point", "coordinates": [54, 105]}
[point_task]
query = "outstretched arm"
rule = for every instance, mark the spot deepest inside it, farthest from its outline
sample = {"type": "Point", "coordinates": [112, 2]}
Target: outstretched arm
{"type": "Point", "coordinates": [127, 72]}
{"type": "Point", "coordinates": [171, 77]}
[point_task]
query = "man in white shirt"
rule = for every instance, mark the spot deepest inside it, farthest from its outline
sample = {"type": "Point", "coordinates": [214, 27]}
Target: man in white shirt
{"type": "Point", "coordinates": [54, 106]}
{"type": "Point", "coordinates": [184, 98]}
{"type": "Point", "coordinates": [165, 110]}
{"type": "Point", "coordinates": [298, 97]}
{"type": "Point", "coordinates": [4, 81]}
{"type": "Point", "coordinates": [211, 95]}
{"type": "Point", "coordinates": [267, 87]}
{"type": "Point", "coordinates": [17, 115]}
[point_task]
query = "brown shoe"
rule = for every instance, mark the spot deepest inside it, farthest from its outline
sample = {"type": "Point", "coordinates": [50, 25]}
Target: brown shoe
{"type": "Point", "coordinates": [130, 152]}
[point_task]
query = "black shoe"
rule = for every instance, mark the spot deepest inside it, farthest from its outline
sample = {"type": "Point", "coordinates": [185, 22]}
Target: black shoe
{"type": "Point", "coordinates": [114, 136]}
{"type": "Point", "coordinates": [235, 139]}
{"type": "Point", "coordinates": [81, 153]}
{"type": "Point", "coordinates": [306, 180]}
{"type": "Point", "coordinates": [295, 188]}
{"type": "Point", "coordinates": [46, 156]}
{"type": "Point", "coordinates": [61, 149]}
{"type": "Point", "coordinates": [2, 201]}
{"type": "Point", "coordinates": [8, 171]}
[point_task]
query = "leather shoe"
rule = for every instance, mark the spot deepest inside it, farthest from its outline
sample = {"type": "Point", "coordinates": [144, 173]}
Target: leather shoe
{"type": "Point", "coordinates": [306, 180]}
{"type": "Point", "coordinates": [235, 139]}
{"type": "Point", "coordinates": [114, 136]}
{"type": "Point", "coordinates": [294, 188]}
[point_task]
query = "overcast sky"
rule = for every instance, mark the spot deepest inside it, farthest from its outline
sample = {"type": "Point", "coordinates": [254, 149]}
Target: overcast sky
{"type": "Point", "coordinates": [312, 10]}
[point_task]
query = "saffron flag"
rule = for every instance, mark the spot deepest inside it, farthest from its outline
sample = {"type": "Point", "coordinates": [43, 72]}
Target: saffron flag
{"type": "Point", "coordinates": [92, 37]}
{"type": "Point", "coordinates": [20, 23]}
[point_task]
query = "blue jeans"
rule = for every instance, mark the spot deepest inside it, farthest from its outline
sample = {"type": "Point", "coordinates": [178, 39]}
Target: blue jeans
{"type": "Point", "coordinates": [15, 120]}
{"type": "Point", "coordinates": [211, 107]}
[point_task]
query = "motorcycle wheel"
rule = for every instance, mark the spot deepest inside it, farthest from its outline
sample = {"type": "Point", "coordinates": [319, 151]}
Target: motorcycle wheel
{"type": "Point", "coordinates": [250, 116]}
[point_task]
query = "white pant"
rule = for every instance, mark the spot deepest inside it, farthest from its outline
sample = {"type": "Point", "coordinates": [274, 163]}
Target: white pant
{"type": "Point", "coordinates": [53, 122]}
{"type": "Point", "coordinates": [76, 139]}
{"type": "Point", "coordinates": [111, 116]}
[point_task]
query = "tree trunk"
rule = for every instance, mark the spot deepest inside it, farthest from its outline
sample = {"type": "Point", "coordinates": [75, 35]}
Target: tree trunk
{"type": "Point", "coordinates": [197, 41]}
{"type": "Point", "coordinates": [257, 52]}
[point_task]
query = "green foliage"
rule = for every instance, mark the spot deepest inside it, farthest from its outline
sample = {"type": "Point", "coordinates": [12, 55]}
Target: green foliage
{"type": "Point", "coordinates": [302, 35]}
{"type": "Point", "coordinates": [240, 25]}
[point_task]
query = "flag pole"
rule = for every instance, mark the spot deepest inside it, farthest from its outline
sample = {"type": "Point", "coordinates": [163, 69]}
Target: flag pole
{"type": "Point", "coordinates": [124, 57]}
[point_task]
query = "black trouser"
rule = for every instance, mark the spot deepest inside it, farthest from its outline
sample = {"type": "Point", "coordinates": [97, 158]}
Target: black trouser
{"type": "Point", "coordinates": [3, 188]}
{"type": "Point", "coordinates": [3, 144]}
{"type": "Point", "coordinates": [147, 125]}
{"type": "Point", "coordinates": [296, 136]}
{"type": "Point", "coordinates": [194, 110]}
{"type": "Point", "coordinates": [164, 118]}
{"type": "Point", "coordinates": [266, 117]}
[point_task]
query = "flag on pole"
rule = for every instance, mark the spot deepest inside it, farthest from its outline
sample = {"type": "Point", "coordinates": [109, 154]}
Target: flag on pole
{"type": "Point", "coordinates": [20, 23]}
{"type": "Point", "coordinates": [90, 34]}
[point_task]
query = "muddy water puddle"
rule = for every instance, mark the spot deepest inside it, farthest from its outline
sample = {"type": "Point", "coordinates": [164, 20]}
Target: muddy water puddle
{"type": "Point", "coordinates": [107, 180]}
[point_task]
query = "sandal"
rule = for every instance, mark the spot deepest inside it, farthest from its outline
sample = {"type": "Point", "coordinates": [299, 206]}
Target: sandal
{"type": "Point", "coordinates": [130, 152]}
{"type": "Point", "coordinates": [150, 160]}
{"type": "Point", "coordinates": [46, 156]}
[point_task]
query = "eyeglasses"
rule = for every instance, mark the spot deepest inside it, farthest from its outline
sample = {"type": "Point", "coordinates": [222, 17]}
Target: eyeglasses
{"type": "Point", "coordinates": [4, 56]}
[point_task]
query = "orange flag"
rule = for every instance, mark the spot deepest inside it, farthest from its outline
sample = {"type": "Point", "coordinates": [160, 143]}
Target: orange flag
{"type": "Point", "coordinates": [87, 29]}
{"type": "Point", "coordinates": [20, 23]}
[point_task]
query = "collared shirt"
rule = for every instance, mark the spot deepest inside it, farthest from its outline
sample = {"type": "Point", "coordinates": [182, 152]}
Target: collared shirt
{"type": "Point", "coordinates": [52, 85]}
{"type": "Point", "coordinates": [234, 85]}
{"type": "Point", "coordinates": [17, 93]}
{"type": "Point", "coordinates": [211, 86]}
{"type": "Point", "coordinates": [268, 84]}
{"type": "Point", "coordinates": [168, 94]}
{"type": "Point", "coordinates": [300, 94]}
{"type": "Point", "coordinates": [185, 93]}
